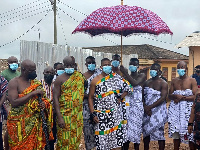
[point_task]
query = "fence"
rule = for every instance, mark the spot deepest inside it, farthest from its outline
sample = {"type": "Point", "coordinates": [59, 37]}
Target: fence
{"type": "Point", "coordinates": [46, 54]}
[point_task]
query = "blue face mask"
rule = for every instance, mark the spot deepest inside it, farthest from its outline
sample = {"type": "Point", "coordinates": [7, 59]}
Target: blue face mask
{"type": "Point", "coordinates": [59, 72]}
{"type": "Point", "coordinates": [133, 68]}
{"type": "Point", "coordinates": [14, 66]}
{"type": "Point", "coordinates": [91, 67]}
{"type": "Point", "coordinates": [107, 69]}
{"type": "Point", "coordinates": [69, 70]}
{"type": "Point", "coordinates": [115, 63]}
{"type": "Point", "coordinates": [153, 73]}
{"type": "Point", "coordinates": [181, 72]}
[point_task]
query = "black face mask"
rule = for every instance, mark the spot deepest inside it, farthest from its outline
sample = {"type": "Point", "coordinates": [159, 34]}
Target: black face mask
{"type": "Point", "coordinates": [197, 71]}
{"type": "Point", "coordinates": [32, 75]}
{"type": "Point", "coordinates": [48, 78]}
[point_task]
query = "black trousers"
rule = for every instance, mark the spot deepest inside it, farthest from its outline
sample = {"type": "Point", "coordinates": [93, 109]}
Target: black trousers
{"type": "Point", "coordinates": [1, 139]}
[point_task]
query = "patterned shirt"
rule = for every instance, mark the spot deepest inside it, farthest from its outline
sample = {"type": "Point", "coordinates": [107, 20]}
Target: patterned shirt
{"type": "Point", "coordinates": [48, 89]}
{"type": "Point", "coordinates": [3, 89]}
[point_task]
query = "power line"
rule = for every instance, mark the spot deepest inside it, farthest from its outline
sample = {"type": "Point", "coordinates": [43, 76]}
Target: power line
{"type": "Point", "coordinates": [62, 29]}
{"type": "Point", "coordinates": [27, 30]}
{"type": "Point", "coordinates": [20, 7]}
{"type": "Point", "coordinates": [22, 18]}
{"type": "Point", "coordinates": [24, 13]}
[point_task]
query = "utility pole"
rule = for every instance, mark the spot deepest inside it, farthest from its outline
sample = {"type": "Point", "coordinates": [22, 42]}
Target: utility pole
{"type": "Point", "coordinates": [55, 26]}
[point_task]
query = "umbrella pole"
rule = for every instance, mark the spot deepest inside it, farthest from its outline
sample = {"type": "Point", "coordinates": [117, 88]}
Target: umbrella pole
{"type": "Point", "coordinates": [121, 48]}
{"type": "Point", "coordinates": [121, 37]}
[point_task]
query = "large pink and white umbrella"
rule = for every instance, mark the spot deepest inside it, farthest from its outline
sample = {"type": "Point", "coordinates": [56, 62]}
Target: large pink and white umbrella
{"type": "Point", "coordinates": [123, 20]}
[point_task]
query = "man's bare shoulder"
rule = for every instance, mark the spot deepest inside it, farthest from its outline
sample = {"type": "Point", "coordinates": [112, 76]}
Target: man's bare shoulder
{"type": "Point", "coordinates": [14, 80]}
{"type": "Point", "coordinates": [96, 79]}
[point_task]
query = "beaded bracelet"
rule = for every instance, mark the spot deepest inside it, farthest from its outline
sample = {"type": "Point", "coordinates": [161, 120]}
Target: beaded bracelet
{"type": "Point", "coordinates": [190, 124]}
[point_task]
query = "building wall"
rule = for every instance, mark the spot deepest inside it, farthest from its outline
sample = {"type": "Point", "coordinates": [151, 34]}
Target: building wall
{"type": "Point", "coordinates": [3, 64]}
{"type": "Point", "coordinates": [169, 65]}
{"type": "Point", "coordinates": [194, 58]}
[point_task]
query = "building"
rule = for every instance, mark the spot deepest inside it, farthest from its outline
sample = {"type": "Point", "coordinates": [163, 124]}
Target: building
{"type": "Point", "coordinates": [3, 64]}
{"type": "Point", "coordinates": [147, 55]}
{"type": "Point", "coordinates": [193, 42]}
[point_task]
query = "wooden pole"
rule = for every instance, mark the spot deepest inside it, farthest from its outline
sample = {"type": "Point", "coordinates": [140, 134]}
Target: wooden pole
{"type": "Point", "coordinates": [121, 37]}
{"type": "Point", "coordinates": [55, 26]}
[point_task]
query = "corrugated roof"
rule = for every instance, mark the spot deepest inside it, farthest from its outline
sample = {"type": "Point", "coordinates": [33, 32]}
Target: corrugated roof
{"type": "Point", "coordinates": [191, 40]}
{"type": "Point", "coordinates": [144, 51]}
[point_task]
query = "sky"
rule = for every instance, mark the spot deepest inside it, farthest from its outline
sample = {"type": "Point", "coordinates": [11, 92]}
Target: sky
{"type": "Point", "coordinates": [17, 17]}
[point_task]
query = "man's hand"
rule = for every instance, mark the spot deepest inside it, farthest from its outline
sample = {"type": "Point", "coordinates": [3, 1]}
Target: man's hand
{"type": "Point", "coordinates": [147, 110]}
{"type": "Point", "coordinates": [95, 119]}
{"type": "Point", "coordinates": [61, 122]}
{"type": "Point", "coordinates": [179, 97]}
{"type": "Point", "coordinates": [42, 105]}
{"type": "Point", "coordinates": [176, 101]}
{"type": "Point", "coordinates": [123, 69]}
{"type": "Point", "coordinates": [190, 129]}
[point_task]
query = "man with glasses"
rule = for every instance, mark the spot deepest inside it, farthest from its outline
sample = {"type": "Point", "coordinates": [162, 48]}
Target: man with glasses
{"type": "Point", "coordinates": [197, 75]}
{"type": "Point", "coordinates": [88, 127]}
{"type": "Point", "coordinates": [68, 103]}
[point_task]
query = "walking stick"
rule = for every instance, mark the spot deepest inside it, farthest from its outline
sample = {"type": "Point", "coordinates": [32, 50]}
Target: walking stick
{"type": "Point", "coordinates": [44, 124]}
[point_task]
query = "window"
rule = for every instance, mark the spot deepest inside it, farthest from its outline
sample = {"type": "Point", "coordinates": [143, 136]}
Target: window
{"type": "Point", "coordinates": [173, 73]}
{"type": "Point", "coordinates": [165, 72]}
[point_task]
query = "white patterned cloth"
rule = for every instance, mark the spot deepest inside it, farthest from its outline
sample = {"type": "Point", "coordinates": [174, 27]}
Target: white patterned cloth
{"type": "Point", "coordinates": [88, 128]}
{"type": "Point", "coordinates": [135, 112]}
{"type": "Point", "coordinates": [153, 125]}
{"type": "Point", "coordinates": [179, 115]}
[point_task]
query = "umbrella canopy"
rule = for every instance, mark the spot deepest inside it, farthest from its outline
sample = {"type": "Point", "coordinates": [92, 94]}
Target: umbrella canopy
{"type": "Point", "coordinates": [123, 20]}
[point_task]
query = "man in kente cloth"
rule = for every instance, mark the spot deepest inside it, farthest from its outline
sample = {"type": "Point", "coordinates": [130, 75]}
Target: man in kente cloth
{"type": "Point", "coordinates": [107, 90]}
{"type": "Point", "coordinates": [47, 84]}
{"type": "Point", "coordinates": [154, 94]}
{"type": "Point", "coordinates": [181, 93]}
{"type": "Point", "coordinates": [68, 103]}
{"type": "Point", "coordinates": [24, 123]}
{"type": "Point", "coordinates": [88, 126]}
{"type": "Point", "coordinates": [134, 109]}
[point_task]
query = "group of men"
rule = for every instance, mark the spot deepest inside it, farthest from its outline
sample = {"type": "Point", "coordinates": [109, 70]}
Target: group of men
{"type": "Point", "coordinates": [110, 106]}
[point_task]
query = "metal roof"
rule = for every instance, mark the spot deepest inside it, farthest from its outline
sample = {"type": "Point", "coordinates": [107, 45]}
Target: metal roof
{"type": "Point", "coordinates": [191, 40]}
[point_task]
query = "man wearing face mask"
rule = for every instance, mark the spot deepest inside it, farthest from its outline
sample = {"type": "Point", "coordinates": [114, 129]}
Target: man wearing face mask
{"type": "Point", "coordinates": [68, 103]}
{"type": "Point", "coordinates": [47, 83]}
{"type": "Point", "coordinates": [197, 75]}
{"type": "Point", "coordinates": [115, 64]}
{"type": "Point", "coordinates": [24, 121]}
{"type": "Point", "coordinates": [134, 110]}
{"type": "Point", "coordinates": [154, 94]}
{"type": "Point", "coordinates": [107, 90]}
{"type": "Point", "coordinates": [59, 69]}
{"type": "Point", "coordinates": [88, 127]}
{"type": "Point", "coordinates": [181, 93]}
{"type": "Point", "coordinates": [11, 72]}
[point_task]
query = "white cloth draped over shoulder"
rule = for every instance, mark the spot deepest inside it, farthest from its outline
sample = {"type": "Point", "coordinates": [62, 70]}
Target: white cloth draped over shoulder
{"type": "Point", "coordinates": [179, 115]}
{"type": "Point", "coordinates": [135, 112]}
{"type": "Point", "coordinates": [153, 125]}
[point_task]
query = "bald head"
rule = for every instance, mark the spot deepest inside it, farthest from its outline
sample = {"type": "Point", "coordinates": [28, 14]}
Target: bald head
{"type": "Point", "coordinates": [182, 65]}
{"type": "Point", "coordinates": [28, 65]}
{"type": "Point", "coordinates": [69, 62]}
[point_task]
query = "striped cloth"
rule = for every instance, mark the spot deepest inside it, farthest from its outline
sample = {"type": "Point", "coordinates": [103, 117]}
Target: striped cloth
{"type": "Point", "coordinates": [3, 89]}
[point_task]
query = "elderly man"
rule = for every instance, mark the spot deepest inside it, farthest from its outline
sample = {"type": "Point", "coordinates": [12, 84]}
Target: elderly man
{"type": "Point", "coordinates": [11, 72]}
{"type": "Point", "coordinates": [68, 102]}
{"type": "Point", "coordinates": [24, 121]}
{"type": "Point", "coordinates": [181, 93]}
